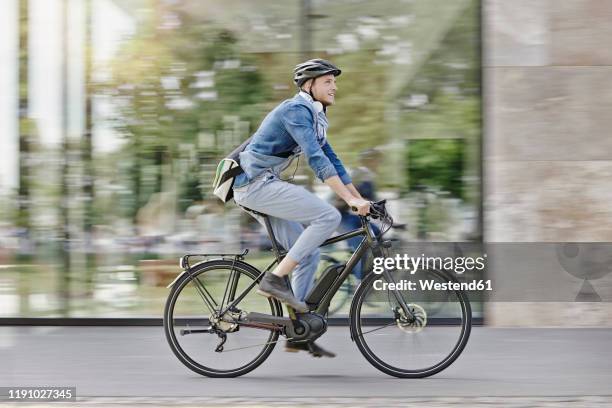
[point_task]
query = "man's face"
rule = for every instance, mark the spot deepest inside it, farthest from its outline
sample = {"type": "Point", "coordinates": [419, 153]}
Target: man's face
{"type": "Point", "coordinates": [324, 89]}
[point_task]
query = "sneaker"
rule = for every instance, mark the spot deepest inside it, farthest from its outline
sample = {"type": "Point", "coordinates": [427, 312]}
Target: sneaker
{"type": "Point", "coordinates": [314, 349]}
{"type": "Point", "coordinates": [275, 286]}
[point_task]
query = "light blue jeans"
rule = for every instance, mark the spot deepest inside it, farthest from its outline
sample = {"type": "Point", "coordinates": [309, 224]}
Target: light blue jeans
{"type": "Point", "coordinates": [301, 221]}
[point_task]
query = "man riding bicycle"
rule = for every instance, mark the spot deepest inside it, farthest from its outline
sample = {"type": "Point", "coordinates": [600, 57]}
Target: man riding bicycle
{"type": "Point", "coordinates": [300, 220]}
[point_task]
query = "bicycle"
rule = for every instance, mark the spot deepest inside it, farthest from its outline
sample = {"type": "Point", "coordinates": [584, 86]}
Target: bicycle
{"type": "Point", "coordinates": [213, 301]}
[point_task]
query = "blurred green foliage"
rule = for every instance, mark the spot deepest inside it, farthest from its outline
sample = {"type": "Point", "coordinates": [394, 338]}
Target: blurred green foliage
{"type": "Point", "coordinates": [170, 86]}
{"type": "Point", "coordinates": [436, 163]}
{"type": "Point", "coordinates": [444, 132]}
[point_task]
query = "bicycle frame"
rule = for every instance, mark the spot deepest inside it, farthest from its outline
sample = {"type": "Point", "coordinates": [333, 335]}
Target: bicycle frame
{"type": "Point", "coordinates": [369, 241]}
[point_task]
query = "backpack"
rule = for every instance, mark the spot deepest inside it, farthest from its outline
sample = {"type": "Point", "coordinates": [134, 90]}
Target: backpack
{"type": "Point", "coordinates": [227, 170]}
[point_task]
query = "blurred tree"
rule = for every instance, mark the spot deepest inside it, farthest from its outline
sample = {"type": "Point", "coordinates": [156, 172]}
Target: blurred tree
{"type": "Point", "coordinates": [25, 124]}
{"type": "Point", "coordinates": [86, 144]}
{"type": "Point", "coordinates": [176, 81]}
{"type": "Point", "coordinates": [64, 198]}
{"type": "Point", "coordinates": [191, 189]}
{"type": "Point", "coordinates": [436, 163]}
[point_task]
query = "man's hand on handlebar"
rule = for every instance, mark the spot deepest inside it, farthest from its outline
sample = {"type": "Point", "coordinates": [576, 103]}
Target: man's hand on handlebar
{"type": "Point", "coordinates": [360, 206]}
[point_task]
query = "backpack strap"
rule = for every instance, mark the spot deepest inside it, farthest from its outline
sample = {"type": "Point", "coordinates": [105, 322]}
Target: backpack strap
{"type": "Point", "coordinates": [231, 173]}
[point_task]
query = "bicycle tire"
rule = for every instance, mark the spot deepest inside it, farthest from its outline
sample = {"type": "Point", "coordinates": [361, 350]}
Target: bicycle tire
{"type": "Point", "coordinates": [169, 329]}
{"type": "Point", "coordinates": [377, 362]}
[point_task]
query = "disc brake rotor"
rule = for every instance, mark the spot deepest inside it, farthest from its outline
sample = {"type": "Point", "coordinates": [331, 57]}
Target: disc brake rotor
{"type": "Point", "coordinates": [413, 324]}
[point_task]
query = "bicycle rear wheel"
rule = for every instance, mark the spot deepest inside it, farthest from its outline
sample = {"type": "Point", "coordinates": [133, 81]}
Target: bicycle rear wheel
{"type": "Point", "coordinates": [195, 331]}
{"type": "Point", "coordinates": [406, 346]}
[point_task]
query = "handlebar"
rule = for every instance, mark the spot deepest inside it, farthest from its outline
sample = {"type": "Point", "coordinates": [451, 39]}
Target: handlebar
{"type": "Point", "coordinates": [377, 209]}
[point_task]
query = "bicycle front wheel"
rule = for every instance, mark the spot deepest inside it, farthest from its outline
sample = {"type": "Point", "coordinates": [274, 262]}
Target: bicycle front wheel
{"type": "Point", "coordinates": [414, 344]}
{"type": "Point", "coordinates": [213, 345]}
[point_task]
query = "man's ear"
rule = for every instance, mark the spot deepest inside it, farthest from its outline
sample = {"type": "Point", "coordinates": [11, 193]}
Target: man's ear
{"type": "Point", "coordinates": [306, 86]}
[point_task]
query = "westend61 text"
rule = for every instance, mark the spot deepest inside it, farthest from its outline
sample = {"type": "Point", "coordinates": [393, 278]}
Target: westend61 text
{"type": "Point", "coordinates": [423, 284]}
{"type": "Point", "coordinates": [414, 263]}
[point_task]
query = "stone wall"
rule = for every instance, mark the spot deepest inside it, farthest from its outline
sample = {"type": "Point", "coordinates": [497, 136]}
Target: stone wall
{"type": "Point", "coordinates": [547, 146]}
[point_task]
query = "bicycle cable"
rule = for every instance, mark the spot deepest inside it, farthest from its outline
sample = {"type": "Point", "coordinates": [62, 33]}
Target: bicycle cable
{"type": "Point", "coordinates": [255, 345]}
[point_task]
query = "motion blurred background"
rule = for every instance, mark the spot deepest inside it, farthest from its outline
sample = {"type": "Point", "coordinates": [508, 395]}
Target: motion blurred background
{"type": "Point", "coordinates": [114, 114]}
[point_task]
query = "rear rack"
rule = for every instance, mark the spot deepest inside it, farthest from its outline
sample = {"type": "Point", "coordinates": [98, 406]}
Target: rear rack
{"type": "Point", "coordinates": [184, 260]}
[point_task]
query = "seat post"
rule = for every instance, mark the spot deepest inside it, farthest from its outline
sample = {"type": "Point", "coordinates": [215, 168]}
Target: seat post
{"type": "Point", "coordinates": [275, 245]}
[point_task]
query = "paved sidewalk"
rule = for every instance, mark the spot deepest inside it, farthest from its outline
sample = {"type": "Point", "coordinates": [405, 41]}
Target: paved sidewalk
{"type": "Point", "coordinates": [134, 365]}
{"type": "Point", "coordinates": [446, 402]}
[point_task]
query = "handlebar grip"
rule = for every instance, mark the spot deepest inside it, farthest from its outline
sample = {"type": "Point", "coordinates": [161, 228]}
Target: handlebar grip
{"type": "Point", "coordinates": [370, 214]}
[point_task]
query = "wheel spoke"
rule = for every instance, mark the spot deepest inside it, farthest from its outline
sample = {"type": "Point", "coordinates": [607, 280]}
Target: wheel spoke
{"type": "Point", "coordinates": [379, 328]}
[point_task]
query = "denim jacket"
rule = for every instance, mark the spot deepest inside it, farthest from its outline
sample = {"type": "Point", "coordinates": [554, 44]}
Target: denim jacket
{"type": "Point", "coordinates": [290, 127]}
